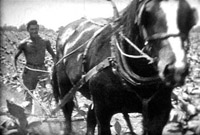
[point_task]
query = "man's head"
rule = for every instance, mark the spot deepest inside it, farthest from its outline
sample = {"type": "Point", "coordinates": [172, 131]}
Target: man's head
{"type": "Point", "coordinates": [33, 28]}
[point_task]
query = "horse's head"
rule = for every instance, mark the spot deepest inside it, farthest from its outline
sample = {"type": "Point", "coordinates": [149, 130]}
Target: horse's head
{"type": "Point", "coordinates": [165, 26]}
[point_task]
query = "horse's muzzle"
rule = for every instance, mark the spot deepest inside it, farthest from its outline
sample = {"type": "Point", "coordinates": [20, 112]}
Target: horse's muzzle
{"type": "Point", "coordinates": [175, 75]}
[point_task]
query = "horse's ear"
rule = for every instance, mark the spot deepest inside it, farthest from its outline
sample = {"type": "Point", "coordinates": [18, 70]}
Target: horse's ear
{"type": "Point", "coordinates": [193, 17]}
{"type": "Point", "coordinates": [187, 17]}
{"type": "Point", "coordinates": [141, 12]}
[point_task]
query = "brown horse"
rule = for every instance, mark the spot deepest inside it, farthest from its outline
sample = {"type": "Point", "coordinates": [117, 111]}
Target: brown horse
{"type": "Point", "coordinates": [143, 56]}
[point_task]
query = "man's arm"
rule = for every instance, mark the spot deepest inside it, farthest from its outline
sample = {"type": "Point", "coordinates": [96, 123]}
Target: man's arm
{"type": "Point", "coordinates": [19, 51]}
{"type": "Point", "coordinates": [50, 50]}
{"type": "Point", "coordinates": [16, 57]}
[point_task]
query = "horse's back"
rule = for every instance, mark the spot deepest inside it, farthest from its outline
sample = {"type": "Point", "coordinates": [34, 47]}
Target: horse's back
{"type": "Point", "coordinates": [75, 38]}
{"type": "Point", "coordinates": [77, 33]}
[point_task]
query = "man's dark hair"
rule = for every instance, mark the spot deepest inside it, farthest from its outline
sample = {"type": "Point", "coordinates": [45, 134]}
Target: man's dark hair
{"type": "Point", "coordinates": [32, 22]}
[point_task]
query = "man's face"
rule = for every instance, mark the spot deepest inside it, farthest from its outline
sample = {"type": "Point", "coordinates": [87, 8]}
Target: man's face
{"type": "Point", "coordinates": [33, 30]}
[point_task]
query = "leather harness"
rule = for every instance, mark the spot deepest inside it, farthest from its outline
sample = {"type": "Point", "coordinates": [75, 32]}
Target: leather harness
{"type": "Point", "coordinates": [108, 62]}
{"type": "Point", "coordinates": [111, 62]}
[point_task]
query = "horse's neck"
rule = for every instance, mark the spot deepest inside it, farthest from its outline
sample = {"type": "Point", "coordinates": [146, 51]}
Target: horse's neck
{"type": "Point", "coordinates": [132, 31]}
{"type": "Point", "coordinates": [139, 66]}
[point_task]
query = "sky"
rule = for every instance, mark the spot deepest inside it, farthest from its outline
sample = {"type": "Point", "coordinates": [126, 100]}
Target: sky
{"type": "Point", "coordinates": [55, 13]}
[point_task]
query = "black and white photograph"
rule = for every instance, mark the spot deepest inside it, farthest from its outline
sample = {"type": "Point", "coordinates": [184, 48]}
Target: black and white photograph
{"type": "Point", "coordinates": [99, 67]}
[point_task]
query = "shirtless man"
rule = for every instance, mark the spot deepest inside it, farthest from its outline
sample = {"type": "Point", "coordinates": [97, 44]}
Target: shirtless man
{"type": "Point", "coordinates": [34, 48]}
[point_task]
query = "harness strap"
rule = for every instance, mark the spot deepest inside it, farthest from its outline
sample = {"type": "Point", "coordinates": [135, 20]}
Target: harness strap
{"type": "Point", "coordinates": [145, 107]}
{"type": "Point", "coordinates": [102, 65]}
{"type": "Point", "coordinates": [87, 43]}
{"type": "Point", "coordinates": [36, 70]}
{"type": "Point", "coordinates": [143, 55]}
{"type": "Point", "coordinates": [90, 43]}
{"type": "Point", "coordinates": [128, 75]}
{"type": "Point", "coordinates": [115, 10]}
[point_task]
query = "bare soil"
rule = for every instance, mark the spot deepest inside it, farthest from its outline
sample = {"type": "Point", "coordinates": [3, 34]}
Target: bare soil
{"type": "Point", "coordinates": [185, 117]}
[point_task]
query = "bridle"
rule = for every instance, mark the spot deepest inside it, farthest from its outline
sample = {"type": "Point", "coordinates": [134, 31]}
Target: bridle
{"type": "Point", "coordinates": [157, 36]}
{"type": "Point", "coordinates": [147, 39]}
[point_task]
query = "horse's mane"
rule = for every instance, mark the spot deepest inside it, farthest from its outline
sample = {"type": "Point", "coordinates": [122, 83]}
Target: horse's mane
{"type": "Point", "coordinates": [130, 28]}
{"type": "Point", "coordinates": [127, 18]}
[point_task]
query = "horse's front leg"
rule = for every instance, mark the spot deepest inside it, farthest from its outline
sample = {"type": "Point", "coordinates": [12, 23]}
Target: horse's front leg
{"type": "Point", "coordinates": [103, 117]}
{"type": "Point", "coordinates": [91, 121]}
{"type": "Point", "coordinates": [65, 86]}
{"type": "Point", "coordinates": [67, 110]}
{"type": "Point", "coordinates": [157, 115]}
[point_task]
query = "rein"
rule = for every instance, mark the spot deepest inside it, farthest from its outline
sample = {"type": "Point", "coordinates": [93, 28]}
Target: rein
{"type": "Point", "coordinates": [162, 36]}
{"type": "Point", "coordinates": [124, 72]}
{"type": "Point", "coordinates": [37, 70]}
{"type": "Point", "coordinates": [67, 55]}
{"type": "Point", "coordinates": [143, 55]}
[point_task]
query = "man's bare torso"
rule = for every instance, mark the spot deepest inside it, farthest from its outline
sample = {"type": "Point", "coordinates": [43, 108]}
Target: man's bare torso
{"type": "Point", "coordinates": [34, 51]}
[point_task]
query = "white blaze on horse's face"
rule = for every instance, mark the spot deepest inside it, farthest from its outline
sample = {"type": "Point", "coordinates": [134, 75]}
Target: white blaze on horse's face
{"type": "Point", "coordinates": [175, 18]}
{"type": "Point", "coordinates": [171, 12]}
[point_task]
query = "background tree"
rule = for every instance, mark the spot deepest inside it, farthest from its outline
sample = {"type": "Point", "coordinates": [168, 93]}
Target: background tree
{"type": "Point", "coordinates": [9, 28]}
{"type": "Point", "coordinates": [22, 27]}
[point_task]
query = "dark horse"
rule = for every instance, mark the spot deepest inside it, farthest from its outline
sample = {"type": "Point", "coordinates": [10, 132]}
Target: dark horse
{"type": "Point", "coordinates": [145, 49]}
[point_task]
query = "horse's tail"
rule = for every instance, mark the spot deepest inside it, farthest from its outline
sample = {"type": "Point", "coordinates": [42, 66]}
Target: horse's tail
{"type": "Point", "coordinates": [55, 85]}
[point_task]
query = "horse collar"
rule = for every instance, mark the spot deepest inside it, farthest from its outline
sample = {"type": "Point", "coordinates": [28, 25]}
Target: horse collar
{"type": "Point", "coordinates": [126, 73]}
